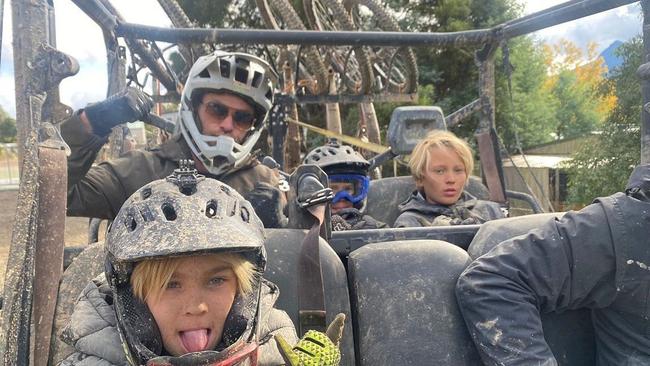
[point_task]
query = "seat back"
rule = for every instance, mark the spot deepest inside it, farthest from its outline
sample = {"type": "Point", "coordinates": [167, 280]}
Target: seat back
{"type": "Point", "coordinates": [404, 304]}
{"type": "Point", "coordinates": [283, 253]}
{"type": "Point", "coordinates": [494, 232]}
{"type": "Point", "coordinates": [84, 267]}
{"type": "Point", "coordinates": [570, 334]}
{"type": "Point", "coordinates": [385, 195]}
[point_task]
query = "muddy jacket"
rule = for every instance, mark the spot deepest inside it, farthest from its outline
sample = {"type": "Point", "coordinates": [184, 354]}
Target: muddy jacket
{"type": "Point", "coordinates": [416, 211]}
{"type": "Point", "coordinates": [92, 330]}
{"type": "Point", "coordinates": [597, 258]}
{"type": "Point", "coordinates": [353, 219]}
{"type": "Point", "coordinates": [99, 191]}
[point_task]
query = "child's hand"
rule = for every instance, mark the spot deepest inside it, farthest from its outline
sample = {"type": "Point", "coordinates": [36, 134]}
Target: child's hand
{"type": "Point", "coordinates": [315, 348]}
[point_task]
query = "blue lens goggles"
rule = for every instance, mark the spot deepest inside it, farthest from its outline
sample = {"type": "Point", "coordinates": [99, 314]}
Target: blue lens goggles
{"type": "Point", "coordinates": [351, 187]}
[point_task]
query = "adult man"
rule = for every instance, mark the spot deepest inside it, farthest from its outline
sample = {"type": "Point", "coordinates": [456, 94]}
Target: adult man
{"type": "Point", "coordinates": [596, 258]}
{"type": "Point", "coordinates": [224, 104]}
{"type": "Point", "coordinates": [347, 171]}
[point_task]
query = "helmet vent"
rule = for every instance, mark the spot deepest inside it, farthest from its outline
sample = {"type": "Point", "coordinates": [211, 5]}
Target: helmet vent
{"type": "Point", "coordinates": [169, 211]}
{"type": "Point", "coordinates": [234, 209]}
{"type": "Point", "coordinates": [224, 68]}
{"type": "Point", "coordinates": [244, 214]}
{"type": "Point", "coordinates": [204, 74]}
{"type": "Point", "coordinates": [147, 215]}
{"type": "Point", "coordinates": [268, 94]}
{"type": "Point", "coordinates": [257, 79]}
{"type": "Point", "coordinates": [146, 193]}
{"type": "Point", "coordinates": [241, 75]}
{"type": "Point", "coordinates": [130, 223]}
{"type": "Point", "coordinates": [211, 209]}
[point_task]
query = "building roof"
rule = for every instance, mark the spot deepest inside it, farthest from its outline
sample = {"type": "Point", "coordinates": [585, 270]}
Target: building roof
{"type": "Point", "coordinates": [537, 161]}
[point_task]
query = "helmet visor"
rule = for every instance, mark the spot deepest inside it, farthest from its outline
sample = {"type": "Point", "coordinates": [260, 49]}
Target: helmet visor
{"type": "Point", "coordinates": [245, 354]}
{"type": "Point", "coordinates": [351, 187]}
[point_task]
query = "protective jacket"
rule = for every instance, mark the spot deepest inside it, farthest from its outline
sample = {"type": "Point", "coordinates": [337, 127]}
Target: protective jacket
{"type": "Point", "coordinates": [99, 191]}
{"type": "Point", "coordinates": [596, 258]}
{"type": "Point", "coordinates": [416, 211]}
{"type": "Point", "coordinates": [92, 329]}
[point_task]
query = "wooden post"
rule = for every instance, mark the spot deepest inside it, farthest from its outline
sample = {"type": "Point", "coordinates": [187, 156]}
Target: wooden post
{"type": "Point", "coordinates": [292, 144]}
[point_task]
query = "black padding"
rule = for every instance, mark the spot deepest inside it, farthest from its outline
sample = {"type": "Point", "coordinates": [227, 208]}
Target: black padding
{"type": "Point", "coordinates": [569, 334]}
{"type": "Point", "coordinates": [404, 305]}
{"type": "Point", "coordinates": [384, 195]}
{"type": "Point", "coordinates": [494, 232]}
{"type": "Point", "coordinates": [283, 252]}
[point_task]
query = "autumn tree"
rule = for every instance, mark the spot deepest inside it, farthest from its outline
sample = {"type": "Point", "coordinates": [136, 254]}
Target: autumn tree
{"type": "Point", "coordinates": [602, 168]}
{"type": "Point", "coordinates": [581, 106]}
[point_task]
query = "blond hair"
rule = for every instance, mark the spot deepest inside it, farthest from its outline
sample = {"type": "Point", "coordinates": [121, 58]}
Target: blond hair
{"type": "Point", "coordinates": [438, 139]}
{"type": "Point", "coordinates": [150, 277]}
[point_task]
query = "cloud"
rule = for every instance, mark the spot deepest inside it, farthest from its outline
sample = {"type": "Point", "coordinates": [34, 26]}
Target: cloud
{"type": "Point", "coordinates": [603, 28]}
{"type": "Point", "coordinates": [7, 97]}
{"type": "Point", "coordinates": [78, 36]}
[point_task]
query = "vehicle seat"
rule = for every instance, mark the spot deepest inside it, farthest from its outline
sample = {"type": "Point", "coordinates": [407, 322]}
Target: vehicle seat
{"type": "Point", "coordinates": [283, 251]}
{"type": "Point", "coordinates": [84, 267]}
{"type": "Point", "coordinates": [384, 195]}
{"type": "Point", "coordinates": [404, 304]}
{"type": "Point", "coordinates": [570, 334]}
{"type": "Point", "coordinates": [494, 232]}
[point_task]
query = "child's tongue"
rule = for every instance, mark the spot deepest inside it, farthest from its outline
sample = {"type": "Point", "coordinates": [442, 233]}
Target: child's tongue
{"type": "Point", "coordinates": [195, 340]}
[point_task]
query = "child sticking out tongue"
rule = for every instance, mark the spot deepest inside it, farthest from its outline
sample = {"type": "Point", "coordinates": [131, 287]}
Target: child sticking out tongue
{"type": "Point", "coordinates": [195, 340]}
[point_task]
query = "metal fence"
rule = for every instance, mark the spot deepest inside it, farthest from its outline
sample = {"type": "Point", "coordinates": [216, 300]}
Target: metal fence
{"type": "Point", "coordinates": [9, 175]}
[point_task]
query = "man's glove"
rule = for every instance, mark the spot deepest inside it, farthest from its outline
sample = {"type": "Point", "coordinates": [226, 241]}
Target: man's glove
{"type": "Point", "coordinates": [128, 105]}
{"type": "Point", "coordinates": [315, 348]}
{"type": "Point", "coordinates": [267, 203]}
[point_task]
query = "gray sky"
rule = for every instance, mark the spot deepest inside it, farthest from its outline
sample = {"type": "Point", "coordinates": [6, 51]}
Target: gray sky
{"type": "Point", "coordinates": [78, 36]}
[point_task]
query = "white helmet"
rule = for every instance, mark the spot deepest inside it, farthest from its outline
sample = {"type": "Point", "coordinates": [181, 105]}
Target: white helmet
{"type": "Point", "coordinates": [240, 74]}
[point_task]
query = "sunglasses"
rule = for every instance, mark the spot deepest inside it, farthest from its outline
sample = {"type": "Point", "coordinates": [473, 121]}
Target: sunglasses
{"type": "Point", "coordinates": [241, 120]}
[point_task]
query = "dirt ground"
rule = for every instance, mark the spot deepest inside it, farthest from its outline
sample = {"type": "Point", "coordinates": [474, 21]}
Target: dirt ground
{"type": "Point", "coordinates": [76, 231]}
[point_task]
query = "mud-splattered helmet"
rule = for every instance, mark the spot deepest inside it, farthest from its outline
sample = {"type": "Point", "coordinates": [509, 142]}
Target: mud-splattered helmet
{"type": "Point", "coordinates": [343, 165]}
{"type": "Point", "coordinates": [185, 214]}
{"type": "Point", "coordinates": [246, 76]}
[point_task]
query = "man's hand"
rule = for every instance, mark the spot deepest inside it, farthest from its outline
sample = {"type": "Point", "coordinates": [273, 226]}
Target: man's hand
{"type": "Point", "coordinates": [128, 105]}
{"type": "Point", "coordinates": [315, 348]}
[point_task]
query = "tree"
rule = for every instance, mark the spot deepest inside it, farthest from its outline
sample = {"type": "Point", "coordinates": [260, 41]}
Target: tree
{"type": "Point", "coordinates": [582, 105]}
{"type": "Point", "coordinates": [522, 104]}
{"type": "Point", "coordinates": [602, 168]}
{"type": "Point", "coordinates": [7, 127]}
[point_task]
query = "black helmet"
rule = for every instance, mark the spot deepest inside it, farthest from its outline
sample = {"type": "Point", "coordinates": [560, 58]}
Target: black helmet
{"type": "Point", "coordinates": [342, 164]}
{"type": "Point", "coordinates": [185, 214]}
{"type": "Point", "coordinates": [336, 158]}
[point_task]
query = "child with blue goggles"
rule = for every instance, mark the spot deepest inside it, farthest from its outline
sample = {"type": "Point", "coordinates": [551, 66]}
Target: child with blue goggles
{"type": "Point", "coordinates": [348, 178]}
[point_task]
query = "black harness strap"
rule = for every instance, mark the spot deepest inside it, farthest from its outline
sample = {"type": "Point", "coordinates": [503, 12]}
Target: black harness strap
{"type": "Point", "coordinates": [311, 293]}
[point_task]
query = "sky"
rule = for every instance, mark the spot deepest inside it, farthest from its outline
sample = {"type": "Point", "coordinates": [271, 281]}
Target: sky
{"type": "Point", "coordinates": [81, 38]}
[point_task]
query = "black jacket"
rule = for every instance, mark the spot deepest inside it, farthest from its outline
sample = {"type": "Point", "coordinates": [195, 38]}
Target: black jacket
{"type": "Point", "coordinates": [416, 211]}
{"type": "Point", "coordinates": [596, 258]}
{"type": "Point", "coordinates": [100, 190]}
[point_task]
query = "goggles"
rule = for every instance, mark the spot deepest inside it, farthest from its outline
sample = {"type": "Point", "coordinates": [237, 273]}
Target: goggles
{"type": "Point", "coordinates": [244, 354]}
{"type": "Point", "coordinates": [351, 187]}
